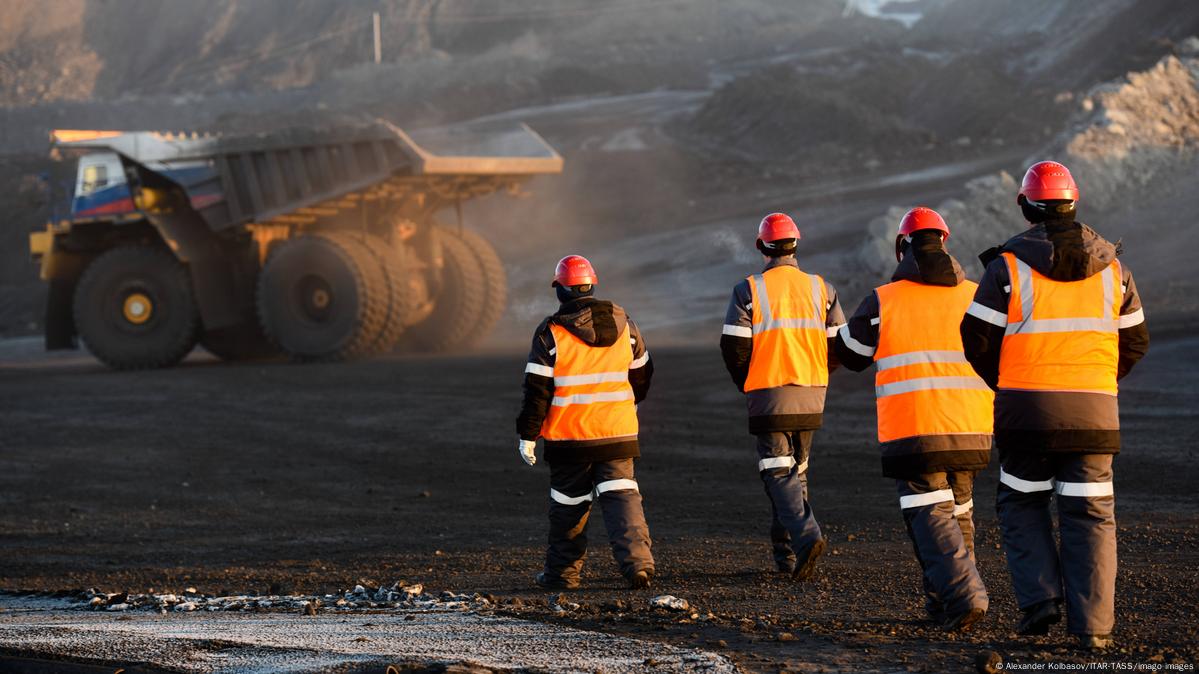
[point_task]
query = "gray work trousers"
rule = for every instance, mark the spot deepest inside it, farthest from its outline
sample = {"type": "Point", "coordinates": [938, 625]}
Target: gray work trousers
{"type": "Point", "coordinates": [1083, 569]}
{"type": "Point", "coordinates": [783, 466]}
{"type": "Point", "coordinates": [573, 486]}
{"type": "Point", "coordinates": [938, 510]}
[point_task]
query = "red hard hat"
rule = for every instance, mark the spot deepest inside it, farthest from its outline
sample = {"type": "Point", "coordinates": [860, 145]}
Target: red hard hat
{"type": "Point", "coordinates": [574, 270]}
{"type": "Point", "coordinates": [922, 217]}
{"type": "Point", "coordinates": [776, 227]}
{"type": "Point", "coordinates": [1047, 180]}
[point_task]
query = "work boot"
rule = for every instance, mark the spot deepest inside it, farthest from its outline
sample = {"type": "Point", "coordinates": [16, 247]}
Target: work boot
{"type": "Point", "coordinates": [964, 620]}
{"type": "Point", "coordinates": [806, 559]}
{"type": "Point", "coordinates": [548, 582]}
{"type": "Point", "coordinates": [640, 579]}
{"type": "Point", "coordinates": [1038, 617]}
{"type": "Point", "coordinates": [936, 612]}
{"type": "Point", "coordinates": [1096, 642]}
{"type": "Point", "coordinates": [786, 566]}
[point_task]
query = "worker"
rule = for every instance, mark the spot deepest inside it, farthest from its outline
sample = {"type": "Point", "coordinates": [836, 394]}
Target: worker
{"type": "Point", "coordinates": [588, 369]}
{"type": "Point", "coordinates": [934, 412]}
{"type": "Point", "coordinates": [1055, 323]}
{"type": "Point", "coordinates": [775, 344]}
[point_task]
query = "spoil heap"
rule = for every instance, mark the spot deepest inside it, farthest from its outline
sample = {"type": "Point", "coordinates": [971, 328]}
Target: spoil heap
{"type": "Point", "coordinates": [1131, 145]}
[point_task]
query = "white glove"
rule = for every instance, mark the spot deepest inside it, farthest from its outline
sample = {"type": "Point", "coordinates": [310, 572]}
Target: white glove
{"type": "Point", "coordinates": [527, 449]}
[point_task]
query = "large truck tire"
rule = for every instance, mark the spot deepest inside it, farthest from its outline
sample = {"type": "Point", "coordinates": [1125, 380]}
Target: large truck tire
{"type": "Point", "coordinates": [495, 296]}
{"type": "Point", "coordinates": [320, 297]}
{"type": "Point", "coordinates": [376, 281]}
{"type": "Point", "coordinates": [134, 308]}
{"type": "Point", "coordinates": [396, 268]}
{"type": "Point", "coordinates": [458, 305]}
{"type": "Point", "coordinates": [244, 342]}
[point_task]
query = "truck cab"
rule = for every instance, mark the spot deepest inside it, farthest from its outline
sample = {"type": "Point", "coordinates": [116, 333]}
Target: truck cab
{"type": "Point", "coordinates": [101, 189]}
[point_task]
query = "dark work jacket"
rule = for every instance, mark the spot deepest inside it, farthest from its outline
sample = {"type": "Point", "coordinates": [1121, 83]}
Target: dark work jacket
{"type": "Point", "coordinates": [856, 343]}
{"type": "Point", "coordinates": [598, 323]}
{"type": "Point", "coordinates": [1056, 421]}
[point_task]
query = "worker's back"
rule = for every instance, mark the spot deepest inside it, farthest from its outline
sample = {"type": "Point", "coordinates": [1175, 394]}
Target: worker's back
{"type": "Point", "coordinates": [923, 384]}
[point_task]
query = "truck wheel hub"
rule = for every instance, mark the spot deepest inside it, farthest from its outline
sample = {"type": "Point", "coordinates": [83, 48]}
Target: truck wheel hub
{"type": "Point", "coordinates": [137, 308]}
{"type": "Point", "coordinates": [316, 297]}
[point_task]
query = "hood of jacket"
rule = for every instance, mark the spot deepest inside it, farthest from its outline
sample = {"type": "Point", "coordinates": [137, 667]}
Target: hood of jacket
{"type": "Point", "coordinates": [596, 322]}
{"type": "Point", "coordinates": [1063, 251]}
{"type": "Point", "coordinates": [781, 261]}
{"type": "Point", "coordinates": [938, 274]}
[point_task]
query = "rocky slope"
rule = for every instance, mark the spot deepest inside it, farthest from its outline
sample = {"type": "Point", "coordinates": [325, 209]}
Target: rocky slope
{"type": "Point", "coordinates": [81, 49]}
{"type": "Point", "coordinates": [1132, 146]}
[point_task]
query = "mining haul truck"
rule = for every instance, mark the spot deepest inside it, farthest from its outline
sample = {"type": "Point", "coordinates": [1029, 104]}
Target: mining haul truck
{"type": "Point", "coordinates": [319, 245]}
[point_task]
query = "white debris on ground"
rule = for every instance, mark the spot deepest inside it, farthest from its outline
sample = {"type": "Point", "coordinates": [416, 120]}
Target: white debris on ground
{"type": "Point", "coordinates": [397, 624]}
{"type": "Point", "coordinates": [400, 594]}
{"type": "Point", "coordinates": [559, 604]}
{"type": "Point", "coordinates": [669, 601]}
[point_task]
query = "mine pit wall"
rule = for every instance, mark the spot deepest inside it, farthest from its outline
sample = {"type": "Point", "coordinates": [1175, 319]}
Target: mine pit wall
{"type": "Point", "coordinates": [1133, 147]}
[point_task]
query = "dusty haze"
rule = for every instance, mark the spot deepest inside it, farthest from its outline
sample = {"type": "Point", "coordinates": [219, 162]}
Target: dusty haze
{"type": "Point", "coordinates": [681, 123]}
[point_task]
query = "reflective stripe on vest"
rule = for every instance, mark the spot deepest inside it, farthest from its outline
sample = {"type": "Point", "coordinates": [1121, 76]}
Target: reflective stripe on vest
{"type": "Point", "coordinates": [924, 384]}
{"type": "Point", "coordinates": [593, 399]}
{"type": "Point", "coordinates": [1061, 335]}
{"type": "Point", "coordinates": [790, 340]}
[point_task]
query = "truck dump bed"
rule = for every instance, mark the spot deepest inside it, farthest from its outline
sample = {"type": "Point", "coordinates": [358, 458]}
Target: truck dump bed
{"type": "Point", "coordinates": [295, 176]}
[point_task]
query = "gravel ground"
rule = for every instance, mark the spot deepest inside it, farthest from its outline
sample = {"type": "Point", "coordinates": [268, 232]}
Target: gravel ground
{"type": "Point", "coordinates": [280, 479]}
{"type": "Point", "coordinates": [331, 640]}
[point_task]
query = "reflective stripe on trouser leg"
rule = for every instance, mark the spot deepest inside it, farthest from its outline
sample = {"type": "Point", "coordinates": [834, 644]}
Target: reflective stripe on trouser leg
{"type": "Point", "coordinates": [782, 462]}
{"type": "Point", "coordinates": [962, 484]}
{"type": "Point", "coordinates": [780, 538]}
{"type": "Point", "coordinates": [917, 499]}
{"type": "Point", "coordinates": [1087, 528]}
{"type": "Point", "coordinates": [620, 501]}
{"type": "Point", "coordinates": [951, 578]}
{"type": "Point", "coordinates": [569, 509]}
{"type": "Point", "coordinates": [787, 488]}
{"type": "Point", "coordinates": [1022, 503]}
{"type": "Point", "coordinates": [563, 499]}
{"type": "Point", "coordinates": [932, 599]}
{"type": "Point", "coordinates": [620, 484]}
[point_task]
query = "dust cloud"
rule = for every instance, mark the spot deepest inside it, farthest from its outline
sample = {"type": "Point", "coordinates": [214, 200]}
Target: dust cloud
{"type": "Point", "coordinates": [681, 123]}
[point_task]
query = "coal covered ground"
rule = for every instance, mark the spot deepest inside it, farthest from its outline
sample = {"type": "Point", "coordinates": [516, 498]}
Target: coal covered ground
{"type": "Point", "coordinates": [273, 477]}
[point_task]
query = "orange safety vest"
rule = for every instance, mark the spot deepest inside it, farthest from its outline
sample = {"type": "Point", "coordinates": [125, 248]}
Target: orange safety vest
{"type": "Point", "coordinates": [924, 385]}
{"type": "Point", "coordinates": [790, 340]}
{"type": "Point", "coordinates": [593, 399]}
{"type": "Point", "coordinates": [1061, 335]}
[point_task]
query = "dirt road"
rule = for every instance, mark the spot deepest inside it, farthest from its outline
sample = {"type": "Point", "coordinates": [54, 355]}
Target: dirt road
{"type": "Point", "coordinates": [285, 478]}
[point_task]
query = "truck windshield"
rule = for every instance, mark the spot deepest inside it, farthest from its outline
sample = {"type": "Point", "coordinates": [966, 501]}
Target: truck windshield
{"type": "Point", "coordinates": [94, 177]}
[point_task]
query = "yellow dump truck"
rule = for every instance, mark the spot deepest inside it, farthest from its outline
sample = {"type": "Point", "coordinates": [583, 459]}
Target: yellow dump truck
{"type": "Point", "coordinates": [319, 244]}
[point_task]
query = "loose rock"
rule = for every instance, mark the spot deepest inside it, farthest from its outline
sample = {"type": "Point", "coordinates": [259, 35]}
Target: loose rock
{"type": "Point", "coordinates": [988, 662]}
{"type": "Point", "coordinates": [669, 602]}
